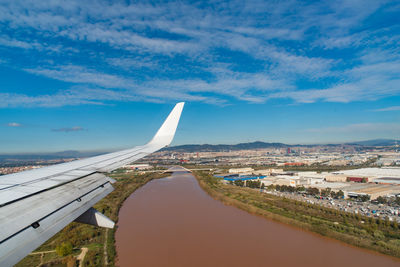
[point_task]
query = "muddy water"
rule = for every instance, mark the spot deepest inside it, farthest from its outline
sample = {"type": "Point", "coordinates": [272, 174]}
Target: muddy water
{"type": "Point", "coordinates": [173, 222]}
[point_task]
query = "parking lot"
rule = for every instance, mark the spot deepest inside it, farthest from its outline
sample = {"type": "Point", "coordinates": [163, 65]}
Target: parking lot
{"type": "Point", "coordinates": [348, 205]}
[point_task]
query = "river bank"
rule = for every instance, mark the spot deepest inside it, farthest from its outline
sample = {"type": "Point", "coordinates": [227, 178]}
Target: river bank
{"type": "Point", "coordinates": [376, 235]}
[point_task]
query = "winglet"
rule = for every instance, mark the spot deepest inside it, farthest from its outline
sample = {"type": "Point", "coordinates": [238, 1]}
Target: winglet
{"type": "Point", "coordinates": [167, 130]}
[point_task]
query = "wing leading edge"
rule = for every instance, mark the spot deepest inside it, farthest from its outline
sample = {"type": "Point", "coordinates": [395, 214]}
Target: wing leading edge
{"type": "Point", "coordinates": [36, 204]}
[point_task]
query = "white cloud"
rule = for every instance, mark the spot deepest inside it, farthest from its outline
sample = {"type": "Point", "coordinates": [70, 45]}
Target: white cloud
{"type": "Point", "coordinates": [31, 44]}
{"type": "Point", "coordinates": [4, 41]}
{"type": "Point", "coordinates": [374, 79]}
{"type": "Point", "coordinates": [244, 86]}
{"type": "Point", "coordinates": [132, 63]}
{"type": "Point", "coordinates": [14, 124]}
{"type": "Point", "coordinates": [189, 51]}
{"type": "Point", "coordinates": [69, 129]}
{"type": "Point", "coordinates": [79, 74]}
{"type": "Point", "coordinates": [271, 33]}
{"type": "Point", "coordinates": [393, 108]}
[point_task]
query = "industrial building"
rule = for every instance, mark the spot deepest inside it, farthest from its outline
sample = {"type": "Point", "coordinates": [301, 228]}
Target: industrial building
{"type": "Point", "coordinates": [267, 172]}
{"type": "Point", "coordinates": [138, 166]}
{"type": "Point", "coordinates": [387, 180]}
{"type": "Point", "coordinates": [243, 178]}
{"type": "Point", "coordinates": [333, 177]}
{"type": "Point", "coordinates": [241, 170]}
{"type": "Point", "coordinates": [373, 182]}
{"type": "Point", "coordinates": [371, 174]}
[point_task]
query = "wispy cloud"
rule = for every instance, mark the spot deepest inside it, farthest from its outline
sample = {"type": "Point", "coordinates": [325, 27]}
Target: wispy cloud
{"type": "Point", "coordinates": [75, 96]}
{"type": "Point", "coordinates": [78, 74]}
{"type": "Point", "coordinates": [369, 81]}
{"type": "Point", "coordinates": [14, 124]}
{"type": "Point", "coordinates": [393, 108]}
{"type": "Point", "coordinates": [4, 41]}
{"type": "Point", "coordinates": [186, 51]}
{"type": "Point", "coordinates": [70, 129]}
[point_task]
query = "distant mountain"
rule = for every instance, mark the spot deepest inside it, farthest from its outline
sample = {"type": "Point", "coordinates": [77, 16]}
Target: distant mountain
{"type": "Point", "coordinates": [376, 142]}
{"type": "Point", "coordinates": [261, 145]}
{"type": "Point", "coordinates": [221, 147]}
{"type": "Point", "coordinates": [185, 148]}
{"type": "Point", "coordinates": [47, 156]}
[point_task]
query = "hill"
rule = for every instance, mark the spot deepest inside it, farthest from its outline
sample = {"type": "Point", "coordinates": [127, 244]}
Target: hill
{"type": "Point", "coordinates": [376, 142]}
{"type": "Point", "coordinates": [261, 145]}
{"type": "Point", "coordinates": [222, 147]}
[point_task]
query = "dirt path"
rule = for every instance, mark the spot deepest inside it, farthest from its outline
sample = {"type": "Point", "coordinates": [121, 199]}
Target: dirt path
{"type": "Point", "coordinates": [42, 252]}
{"type": "Point", "coordinates": [42, 255]}
{"type": "Point", "coordinates": [105, 249]}
{"type": "Point", "coordinates": [81, 256]}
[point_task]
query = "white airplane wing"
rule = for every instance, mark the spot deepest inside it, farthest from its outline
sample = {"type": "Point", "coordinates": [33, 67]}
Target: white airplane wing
{"type": "Point", "coordinates": [36, 204]}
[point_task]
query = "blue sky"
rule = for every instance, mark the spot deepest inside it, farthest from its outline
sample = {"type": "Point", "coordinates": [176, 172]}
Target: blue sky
{"type": "Point", "coordinates": [90, 75]}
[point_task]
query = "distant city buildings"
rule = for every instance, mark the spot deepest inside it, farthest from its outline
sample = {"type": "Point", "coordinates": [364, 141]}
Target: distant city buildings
{"type": "Point", "coordinates": [314, 155]}
{"type": "Point", "coordinates": [287, 166]}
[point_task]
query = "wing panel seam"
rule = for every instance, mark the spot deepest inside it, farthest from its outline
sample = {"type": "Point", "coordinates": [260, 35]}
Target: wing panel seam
{"type": "Point", "coordinates": [54, 211]}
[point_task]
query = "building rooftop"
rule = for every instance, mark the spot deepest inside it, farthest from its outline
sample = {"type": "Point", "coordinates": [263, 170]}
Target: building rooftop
{"type": "Point", "coordinates": [372, 172]}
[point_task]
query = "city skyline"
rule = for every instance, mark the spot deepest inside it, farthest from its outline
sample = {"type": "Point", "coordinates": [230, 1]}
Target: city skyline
{"type": "Point", "coordinates": [103, 75]}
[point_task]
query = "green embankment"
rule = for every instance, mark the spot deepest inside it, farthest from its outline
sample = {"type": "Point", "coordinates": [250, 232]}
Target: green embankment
{"type": "Point", "coordinates": [374, 234]}
{"type": "Point", "coordinates": [94, 238]}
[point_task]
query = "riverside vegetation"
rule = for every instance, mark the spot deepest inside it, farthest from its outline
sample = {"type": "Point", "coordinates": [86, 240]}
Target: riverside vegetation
{"type": "Point", "coordinates": [366, 232]}
{"type": "Point", "coordinates": [62, 249]}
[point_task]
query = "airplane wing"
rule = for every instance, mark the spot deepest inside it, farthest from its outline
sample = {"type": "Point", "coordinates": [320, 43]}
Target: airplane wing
{"type": "Point", "coordinates": [36, 204]}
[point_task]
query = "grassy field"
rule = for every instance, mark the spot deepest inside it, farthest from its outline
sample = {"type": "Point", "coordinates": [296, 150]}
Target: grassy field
{"type": "Point", "coordinates": [374, 234]}
{"type": "Point", "coordinates": [99, 241]}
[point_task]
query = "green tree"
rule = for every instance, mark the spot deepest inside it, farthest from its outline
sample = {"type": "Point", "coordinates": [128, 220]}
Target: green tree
{"type": "Point", "coordinates": [313, 191]}
{"type": "Point", "coordinates": [239, 183]}
{"type": "Point", "coordinates": [253, 184]}
{"type": "Point", "coordinates": [364, 198]}
{"type": "Point", "coordinates": [64, 249]}
{"type": "Point", "coordinates": [381, 200]}
{"type": "Point", "coordinates": [395, 225]}
{"type": "Point", "coordinates": [300, 189]}
{"type": "Point", "coordinates": [326, 192]}
{"type": "Point", "coordinates": [340, 194]}
{"type": "Point", "coordinates": [271, 187]}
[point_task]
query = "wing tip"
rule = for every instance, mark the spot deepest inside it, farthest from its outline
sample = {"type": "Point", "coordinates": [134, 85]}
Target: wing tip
{"type": "Point", "coordinates": [166, 133]}
{"type": "Point", "coordinates": [179, 105]}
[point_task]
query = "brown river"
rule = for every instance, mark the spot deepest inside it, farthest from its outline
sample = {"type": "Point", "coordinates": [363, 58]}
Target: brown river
{"type": "Point", "coordinates": [173, 222]}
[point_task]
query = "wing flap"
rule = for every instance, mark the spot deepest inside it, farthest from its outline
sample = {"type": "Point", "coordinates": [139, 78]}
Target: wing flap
{"type": "Point", "coordinates": [20, 214]}
{"type": "Point", "coordinates": [21, 243]}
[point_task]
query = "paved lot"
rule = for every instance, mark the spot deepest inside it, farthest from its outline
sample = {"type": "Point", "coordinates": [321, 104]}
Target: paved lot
{"type": "Point", "coordinates": [363, 208]}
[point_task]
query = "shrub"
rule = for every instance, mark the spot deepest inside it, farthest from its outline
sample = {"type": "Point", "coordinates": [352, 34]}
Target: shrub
{"type": "Point", "coordinates": [378, 234]}
{"type": "Point", "coordinates": [382, 244]}
{"type": "Point", "coordinates": [64, 249]}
